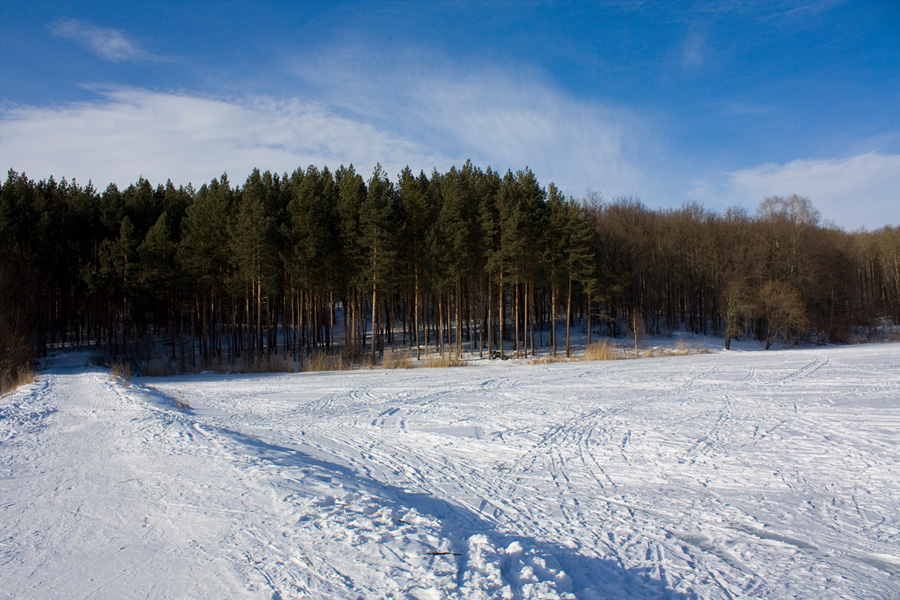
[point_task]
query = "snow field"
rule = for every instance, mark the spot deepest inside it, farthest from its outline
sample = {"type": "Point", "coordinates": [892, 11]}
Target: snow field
{"type": "Point", "coordinates": [728, 475]}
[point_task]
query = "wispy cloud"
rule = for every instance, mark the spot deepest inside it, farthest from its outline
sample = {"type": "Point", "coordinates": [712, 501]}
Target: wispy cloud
{"type": "Point", "coordinates": [500, 118]}
{"type": "Point", "coordinates": [858, 191]}
{"type": "Point", "coordinates": [693, 49]}
{"type": "Point", "coordinates": [110, 44]}
{"type": "Point", "coordinates": [133, 132]}
{"type": "Point", "coordinates": [577, 144]}
{"type": "Point", "coordinates": [425, 117]}
{"type": "Point", "coordinates": [742, 109]}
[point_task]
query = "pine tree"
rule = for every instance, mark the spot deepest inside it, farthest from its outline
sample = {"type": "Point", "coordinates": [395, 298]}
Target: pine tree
{"type": "Point", "coordinates": [351, 195]}
{"type": "Point", "coordinates": [580, 260]}
{"type": "Point", "coordinates": [254, 246]}
{"type": "Point", "coordinates": [314, 247]}
{"type": "Point", "coordinates": [157, 275]}
{"type": "Point", "coordinates": [418, 211]}
{"type": "Point", "coordinates": [203, 254]}
{"type": "Point", "coordinates": [555, 250]}
{"type": "Point", "coordinates": [377, 228]}
{"type": "Point", "coordinates": [119, 267]}
{"type": "Point", "coordinates": [459, 237]}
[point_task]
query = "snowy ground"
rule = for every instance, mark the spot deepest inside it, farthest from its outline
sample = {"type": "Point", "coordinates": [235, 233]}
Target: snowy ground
{"type": "Point", "coordinates": [728, 475]}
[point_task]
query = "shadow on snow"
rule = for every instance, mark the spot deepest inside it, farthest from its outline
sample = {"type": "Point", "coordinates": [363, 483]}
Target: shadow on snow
{"type": "Point", "coordinates": [591, 577]}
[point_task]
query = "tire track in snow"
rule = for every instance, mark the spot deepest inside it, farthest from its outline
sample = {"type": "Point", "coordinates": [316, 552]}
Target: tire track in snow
{"type": "Point", "coordinates": [573, 497]}
{"type": "Point", "coordinates": [807, 370]}
{"type": "Point", "coordinates": [715, 438]}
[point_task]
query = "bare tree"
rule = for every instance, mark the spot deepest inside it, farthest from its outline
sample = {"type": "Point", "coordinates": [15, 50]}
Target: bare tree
{"type": "Point", "coordinates": [737, 305]}
{"type": "Point", "coordinates": [783, 309]}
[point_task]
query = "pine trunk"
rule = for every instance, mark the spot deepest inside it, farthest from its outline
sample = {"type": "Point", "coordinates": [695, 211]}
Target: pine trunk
{"type": "Point", "coordinates": [569, 318]}
{"type": "Point", "coordinates": [553, 311]}
{"type": "Point", "coordinates": [416, 307]}
{"type": "Point", "coordinates": [589, 319]}
{"type": "Point", "coordinates": [374, 315]}
{"type": "Point", "coordinates": [501, 315]}
{"type": "Point", "coordinates": [458, 317]}
{"type": "Point", "coordinates": [516, 315]}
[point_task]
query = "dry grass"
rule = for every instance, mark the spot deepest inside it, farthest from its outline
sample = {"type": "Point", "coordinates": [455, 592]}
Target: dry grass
{"type": "Point", "coordinates": [164, 366]}
{"type": "Point", "coordinates": [701, 349]}
{"type": "Point", "coordinates": [681, 349]}
{"type": "Point", "coordinates": [316, 363]}
{"type": "Point", "coordinates": [121, 372]}
{"type": "Point", "coordinates": [287, 364]}
{"type": "Point", "coordinates": [13, 379]}
{"type": "Point", "coordinates": [442, 362]}
{"type": "Point", "coordinates": [327, 362]}
{"type": "Point", "coordinates": [602, 350]}
{"type": "Point", "coordinates": [607, 350]}
{"type": "Point", "coordinates": [394, 359]}
{"type": "Point", "coordinates": [269, 363]}
{"type": "Point", "coordinates": [180, 402]}
{"type": "Point", "coordinates": [549, 360]}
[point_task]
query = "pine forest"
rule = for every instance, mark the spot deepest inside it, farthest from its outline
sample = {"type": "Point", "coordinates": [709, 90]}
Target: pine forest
{"type": "Point", "coordinates": [467, 262]}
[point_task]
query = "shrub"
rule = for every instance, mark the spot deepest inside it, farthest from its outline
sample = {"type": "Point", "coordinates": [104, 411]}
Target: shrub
{"type": "Point", "coordinates": [181, 403]}
{"type": "Point", "coordinates": [394, 359]}
{"type": "Point", "coordinates": [120, 371]}
{"type": "Point", "coordinates": [434, 362]}
{"type": "Point", "coordinates": [16, 377]}
{"type": "Point", "coordinates": [327, 362]}
{"type": "Point", "coordinates": [602, 350]}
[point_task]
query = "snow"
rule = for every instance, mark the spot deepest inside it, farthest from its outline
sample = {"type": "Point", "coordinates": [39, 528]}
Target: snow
{"type": "Point", "coordinates": [724, 475]}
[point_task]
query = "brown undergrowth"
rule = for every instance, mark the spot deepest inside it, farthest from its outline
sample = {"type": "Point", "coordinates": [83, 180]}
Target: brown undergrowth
{"type": "Point", "coordinates": [15, 378]}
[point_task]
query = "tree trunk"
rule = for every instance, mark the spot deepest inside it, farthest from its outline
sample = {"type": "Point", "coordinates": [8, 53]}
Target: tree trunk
{"type": "Point", "coordinates": [374, 315]}
{"type": "Point", "coordinates": [490, 319]}
{"type": "Point", "coordinates": [458, 317]}
{"type": "Point", "coordinates": [416, 308]}
{"type": "Point", "coordinates": [553, 312]}
{"type": "Point", "coordinates": [516, 315]}
{"type": "Point", "coordinates": [259, 332]}
{"type": "Point", "coordinates": [501, 315]}
{"type": "Point", "coordinates": [530, 309]}
{"type": "Point", "coordinates": [440, 340]}
{"type": "Point", "coordinates": [569, 317]}
{"type": "Point", "coordinates": [589, 319]}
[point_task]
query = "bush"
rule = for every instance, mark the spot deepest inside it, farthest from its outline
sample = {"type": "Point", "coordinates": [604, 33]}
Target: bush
{"type": "Point", "coordinates": [436, 362]}
{"type": "Point", "coordinates": [181, 403]}
{"type": "Point", "coordinates": [14, 378]}
{"type": "Point", "coordinates": [602, 350]}
{"type": "Point", "coordinates": [327, 362]}
{"type": "Point", "coordinates": [394, 359]}
{"type": "Point", "coordinates": [120, 371]}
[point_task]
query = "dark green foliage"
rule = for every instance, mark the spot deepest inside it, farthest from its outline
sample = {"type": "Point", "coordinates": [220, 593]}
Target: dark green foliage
{"type": "Point", "coordinates": [462, 257]}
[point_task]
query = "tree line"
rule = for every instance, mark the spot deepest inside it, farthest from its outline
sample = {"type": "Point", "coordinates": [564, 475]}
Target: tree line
{"type": "Point", "coordinates": [469, 260]}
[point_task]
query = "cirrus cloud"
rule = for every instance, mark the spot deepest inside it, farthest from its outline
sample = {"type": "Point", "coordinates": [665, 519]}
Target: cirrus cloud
{"type": "Point", "coordinates": [857, 191]}
{"type": "Point", "coordinates": [499, 117]}
{"type": "Point", "coordinates": [129, 133]}
{"type": "Point", "coordinates": [425, 121]}
{"type": "Point", "coordinates": [110, 44]}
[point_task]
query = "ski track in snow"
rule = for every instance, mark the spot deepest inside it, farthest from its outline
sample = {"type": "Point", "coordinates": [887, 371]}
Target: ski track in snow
{"type": "Point", "coordinates": [728, 475]}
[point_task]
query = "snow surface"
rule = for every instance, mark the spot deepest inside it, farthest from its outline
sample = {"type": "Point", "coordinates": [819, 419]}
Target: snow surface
{"type": "Point", "coordinates": [728, 475]}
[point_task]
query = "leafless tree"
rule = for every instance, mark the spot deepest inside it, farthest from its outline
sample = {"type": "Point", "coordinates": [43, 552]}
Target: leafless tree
{"type": "Point", "coordinates": [783, 309]}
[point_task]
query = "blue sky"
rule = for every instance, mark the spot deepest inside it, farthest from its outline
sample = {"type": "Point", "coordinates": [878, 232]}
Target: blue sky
{"type": "Point", "coordinates": [720, 102]}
